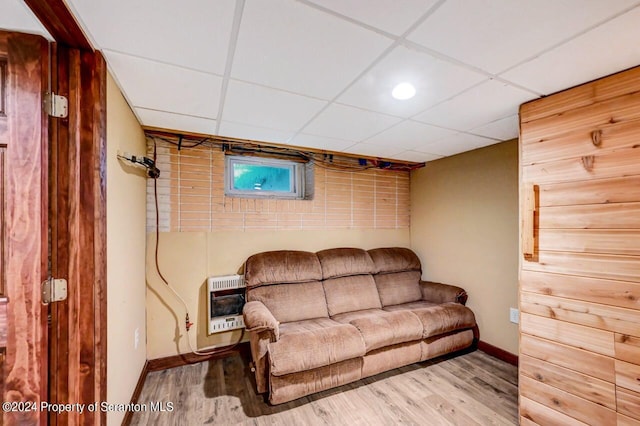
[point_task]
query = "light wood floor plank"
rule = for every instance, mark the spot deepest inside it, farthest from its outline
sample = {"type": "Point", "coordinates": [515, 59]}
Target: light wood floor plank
{"type": "Point", "coordinates": [468, 389]}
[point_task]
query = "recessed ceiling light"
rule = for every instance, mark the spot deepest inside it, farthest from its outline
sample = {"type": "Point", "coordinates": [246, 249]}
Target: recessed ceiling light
{"type": "Point", "coordinates": [403, 91]}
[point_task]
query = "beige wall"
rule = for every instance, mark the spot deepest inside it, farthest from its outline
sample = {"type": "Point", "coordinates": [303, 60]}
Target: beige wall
{"type": "Point", "coordinates": [464, 227]}
{"type": "Point", "coordinates": [188, 258]}
{"type": "Point", "coordinates": [126, 207]}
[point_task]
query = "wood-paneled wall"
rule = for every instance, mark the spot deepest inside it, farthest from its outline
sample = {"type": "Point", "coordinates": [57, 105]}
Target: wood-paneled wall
{"type": "Point", "coordinates": [580, 290]}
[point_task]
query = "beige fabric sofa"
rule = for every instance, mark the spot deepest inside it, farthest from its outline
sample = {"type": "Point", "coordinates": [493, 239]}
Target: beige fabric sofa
{"type": "Point", "coordinates": [320, 320]}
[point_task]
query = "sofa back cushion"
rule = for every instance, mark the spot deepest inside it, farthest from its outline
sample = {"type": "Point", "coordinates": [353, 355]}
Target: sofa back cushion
{"type": "Point", "coordinates": [281, 266]}
{"type": "Point", "coordinates": [343, 262]}
{"type": "Point", "coordinates": [398, 287]}
{"type": "Point", "coordinates": [293, 301]}
{"type": "Point", "coordinates": [394, 259]}
{"type": "Point", "coordinates": [288, 283]}
{"type": "Point", "coordinates": [348, 294]}
{"type": "Point", "coordinates": [398, 273]}
{"type": "Point", "coordinates": [348, 284]}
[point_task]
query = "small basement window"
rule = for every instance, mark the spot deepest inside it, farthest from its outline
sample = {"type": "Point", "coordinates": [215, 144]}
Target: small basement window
{"type": "Point", "coordinates": [257, 177]}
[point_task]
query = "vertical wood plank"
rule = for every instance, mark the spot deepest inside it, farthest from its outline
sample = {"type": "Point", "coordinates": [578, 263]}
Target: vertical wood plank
{"type": "Point", "coordinates": [80, 255]}
{"type": "Point", "coordinates": [74, 243]}
{"type": "Point", "coordinates": [99, 98]}
{"type": "Point", "coordinates": [60, 255]}
{"type": "Point", "coordinates": [3, 180]}
{"type": "Point", "coordinates": [25, 219]}
{"type": "Point", "coordinates": [4, 122]}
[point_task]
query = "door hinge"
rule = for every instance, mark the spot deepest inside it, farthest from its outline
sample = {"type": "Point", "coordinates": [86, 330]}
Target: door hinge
{"type": "Point", "coordinates": [56, 105]}
{"type": "Point", "coordinates": [54, 290]}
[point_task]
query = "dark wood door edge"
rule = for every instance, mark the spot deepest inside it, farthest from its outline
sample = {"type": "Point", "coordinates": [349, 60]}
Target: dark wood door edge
{"type": "Point", "coordinates": [56, 17]}
{"type": "Point", "coordinates": [496, 352]}
{"type": "Point", "coordinates": [78, 349]}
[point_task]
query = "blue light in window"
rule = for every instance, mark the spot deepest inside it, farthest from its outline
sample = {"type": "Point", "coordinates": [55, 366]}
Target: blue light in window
{"type": "Point", "coordinates": [256, 177]}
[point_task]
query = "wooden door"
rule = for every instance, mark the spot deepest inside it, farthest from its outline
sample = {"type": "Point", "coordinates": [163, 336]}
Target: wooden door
{"type": "Point", "coordinates": [580, 271]}
{"type": "Point", "coordinates": [23, 228]}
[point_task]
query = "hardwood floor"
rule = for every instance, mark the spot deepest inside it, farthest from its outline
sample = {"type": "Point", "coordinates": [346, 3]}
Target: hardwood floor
{"type": "Point", "coordinates": [468, 389]}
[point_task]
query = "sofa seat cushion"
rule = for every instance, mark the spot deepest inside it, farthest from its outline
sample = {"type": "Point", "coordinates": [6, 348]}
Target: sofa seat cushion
{"type": "Point", "coordinates": [308, 344]}
{"type": "Point", "coordinates": [438, 318]}
{"type": "Point", "coordinates": [380, 328]}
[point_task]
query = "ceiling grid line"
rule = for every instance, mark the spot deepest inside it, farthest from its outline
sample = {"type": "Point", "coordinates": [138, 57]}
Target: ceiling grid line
{"type": "Point", "coordinates": [162, 62]}
{"type": "Point", "coordinates": [319, 73]}
{"type": "Point", "coordinates": [349, 19]}
{"type": "Point", "coordinates": [568, 39]}
{"type": "Point", "coordinates": [422, 18]}
{"type": "Point", "coordinates": [413, 45]}
{"type": "Point", "coordinates": [231, 50]}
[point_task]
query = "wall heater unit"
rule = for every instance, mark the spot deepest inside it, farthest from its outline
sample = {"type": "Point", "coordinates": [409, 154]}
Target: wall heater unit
{"type": "Point", "coordinates": [225, 302]}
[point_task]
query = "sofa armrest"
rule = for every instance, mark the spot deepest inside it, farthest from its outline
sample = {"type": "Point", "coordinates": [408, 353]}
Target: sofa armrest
{"type": "Point", "coordinates": [441, 293]}
{"type": "Point", "coordinates": [263, 329]}
{"type": "Point", "coordinates": [257, 318]}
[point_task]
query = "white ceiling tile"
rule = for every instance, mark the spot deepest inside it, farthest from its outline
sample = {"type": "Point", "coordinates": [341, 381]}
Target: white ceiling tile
{"type": "Point", "coordinates": [194, 34]}
{"type": "Point", "coordinates": [497, 34]}
{"type": "Point", "coordinates": [265, 107]}
{"type": "Point", "coordinates": [254, 133]}
{"type": "Point", "coordinates": [343, 122]}
{"type": "Point", "coordinates": [417, 157]}
{"type": "Point", "coordinates": [178, 122]}
{"type": "Point", "coordinates": [16, 16]}
{"type": "Point", "coordinates": [607, 49]}
{"type": "Point", "coordinates": [372, 150]}
{"type": "Point", "coordinates": [434, 79]}
{"type": "Point", "coordinates": [392, 16]}
{"type": "Point", "coordinates": [320, 142]}
{"type": "Point", "coordinates": [291, 46]}
{"type": "Point", "coordinates": [489, 101]}
{"type": "Point", "coordinates": [455, 144]}
{"type": "Point", "coordinates": [503, 129]}
{"type": "Point", "coordinates": [409, 134]}
{"type": "Point", "coordinates": [169, 57]}
{"type": "Point", "coordinates": [153, 85]}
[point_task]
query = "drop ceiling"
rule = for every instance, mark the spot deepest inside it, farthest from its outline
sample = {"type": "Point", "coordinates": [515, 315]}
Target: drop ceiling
{"type": "Point", "coordinates": [319, 73]}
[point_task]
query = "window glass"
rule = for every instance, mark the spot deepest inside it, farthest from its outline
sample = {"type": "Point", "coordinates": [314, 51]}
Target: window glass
{"type": "Point", "coordinates": [258, 177]}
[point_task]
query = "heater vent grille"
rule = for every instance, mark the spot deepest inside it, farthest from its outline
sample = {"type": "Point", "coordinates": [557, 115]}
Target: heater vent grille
{"type": "Point", "coordinates": [225, 301]}
{"type": "Point", "coordinates": [218, 324]}
{"type": "Point", "coordinates": [226, 282]}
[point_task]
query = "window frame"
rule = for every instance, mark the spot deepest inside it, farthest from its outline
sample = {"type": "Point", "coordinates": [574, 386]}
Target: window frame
{"type": "Point", "coordinates": [296, 181]}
